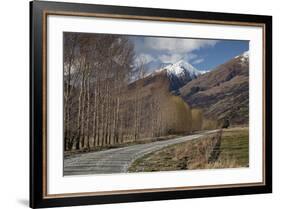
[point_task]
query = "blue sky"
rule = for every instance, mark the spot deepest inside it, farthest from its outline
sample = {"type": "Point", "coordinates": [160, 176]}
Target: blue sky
{"type": "Point", "coordinates": [204, 54]}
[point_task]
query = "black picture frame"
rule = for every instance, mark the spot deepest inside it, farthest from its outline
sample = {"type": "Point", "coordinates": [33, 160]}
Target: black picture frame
{"type": "Point", "coordinates": [38, 11]}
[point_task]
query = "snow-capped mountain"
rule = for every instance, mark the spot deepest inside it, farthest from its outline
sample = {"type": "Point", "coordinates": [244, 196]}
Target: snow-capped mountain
{"type": "Point", "coordinates": [182, 68]}
{"type": "Point", "coordinates": [179, 74]}
{"type": "Point", "coordinates": [244, 57]}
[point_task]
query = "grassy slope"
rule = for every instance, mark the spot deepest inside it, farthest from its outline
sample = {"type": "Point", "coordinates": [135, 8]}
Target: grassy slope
{"type": "Point", "coordinates": [234, 151]}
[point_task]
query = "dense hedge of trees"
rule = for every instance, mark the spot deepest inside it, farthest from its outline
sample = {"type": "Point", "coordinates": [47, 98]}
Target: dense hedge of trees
{"type": "Point", "coordinates": [149, 110]}
{"type": "Point", "coordinates": [197, 119]}
{"type": "Point", "coordinates": [102, 106]}
{"type": "Point", "coordinates": [209, 124]}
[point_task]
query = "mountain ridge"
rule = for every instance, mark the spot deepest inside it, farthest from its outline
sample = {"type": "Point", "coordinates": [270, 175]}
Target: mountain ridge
{"type": "Point", "coordinates": [223, 93]}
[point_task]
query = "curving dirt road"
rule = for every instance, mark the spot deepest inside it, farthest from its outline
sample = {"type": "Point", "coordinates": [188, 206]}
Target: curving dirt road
{"type": "Point", "coordinates": [119, 159]}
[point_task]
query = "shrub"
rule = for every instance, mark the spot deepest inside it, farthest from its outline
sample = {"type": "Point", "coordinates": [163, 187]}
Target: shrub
{"type": "Point", "coordinates": [209, 124]}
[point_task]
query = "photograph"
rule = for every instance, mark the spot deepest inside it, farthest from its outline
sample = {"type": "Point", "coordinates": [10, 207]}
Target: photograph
{"type": "Point", "coordinates": [133, 104]}
{"type": "Point", "coordinates": [136, 103]}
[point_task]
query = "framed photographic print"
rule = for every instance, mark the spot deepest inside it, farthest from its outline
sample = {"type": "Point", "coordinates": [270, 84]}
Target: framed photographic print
{"type": "Point", "coordinates": [139, 104]}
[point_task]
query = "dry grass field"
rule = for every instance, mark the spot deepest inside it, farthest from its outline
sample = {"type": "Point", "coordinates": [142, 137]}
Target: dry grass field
{"type": "Point", "coordinates": [229, 148]}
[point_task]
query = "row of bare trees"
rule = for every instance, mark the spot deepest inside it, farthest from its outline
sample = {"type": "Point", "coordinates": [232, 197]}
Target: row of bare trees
{"type": "Point", "coordinates": [96, 70]}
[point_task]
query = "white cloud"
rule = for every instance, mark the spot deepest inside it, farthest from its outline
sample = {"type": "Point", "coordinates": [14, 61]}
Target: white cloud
{"type": "Point", "coordinates": [197, 61]}
{"type": "Point", "coordinates": [144, 59]}
{"type": "Point", "coordinates": [171, 50]}
{"type": "Point", "coordinates": [170, 58]}
{"type": "Point", "coordinates": [190, 56]}
{"type": "Point", "coordinates": [173, 45]}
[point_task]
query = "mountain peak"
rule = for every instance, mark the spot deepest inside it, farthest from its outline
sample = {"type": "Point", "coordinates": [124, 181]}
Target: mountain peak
{"type": "Point", "coordinates": [245, 54]}
{"type": "Point", "coordinates": [179, 74]}
{"type": "Point", "coordinates": [181, 68]}
{"type": "Point", "coordinates": [244, 57]}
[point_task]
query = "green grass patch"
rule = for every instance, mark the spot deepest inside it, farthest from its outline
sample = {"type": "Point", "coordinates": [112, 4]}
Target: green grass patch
{"type": "Point", "coordinates": [235, 146]}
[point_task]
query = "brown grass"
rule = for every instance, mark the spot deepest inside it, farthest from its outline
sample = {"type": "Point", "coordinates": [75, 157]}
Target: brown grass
{"type": "Point", "coordinates": [226, 149]}
{"type": "Point", "coordinates": [203, 152]}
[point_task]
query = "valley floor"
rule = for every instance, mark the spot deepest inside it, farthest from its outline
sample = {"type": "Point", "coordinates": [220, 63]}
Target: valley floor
{"type": "Point", "coordinates": [118, 160]}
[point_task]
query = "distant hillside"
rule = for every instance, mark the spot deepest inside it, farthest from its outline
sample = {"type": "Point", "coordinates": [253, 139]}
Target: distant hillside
{"type": "Point", "coordinates": [223, 93]}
